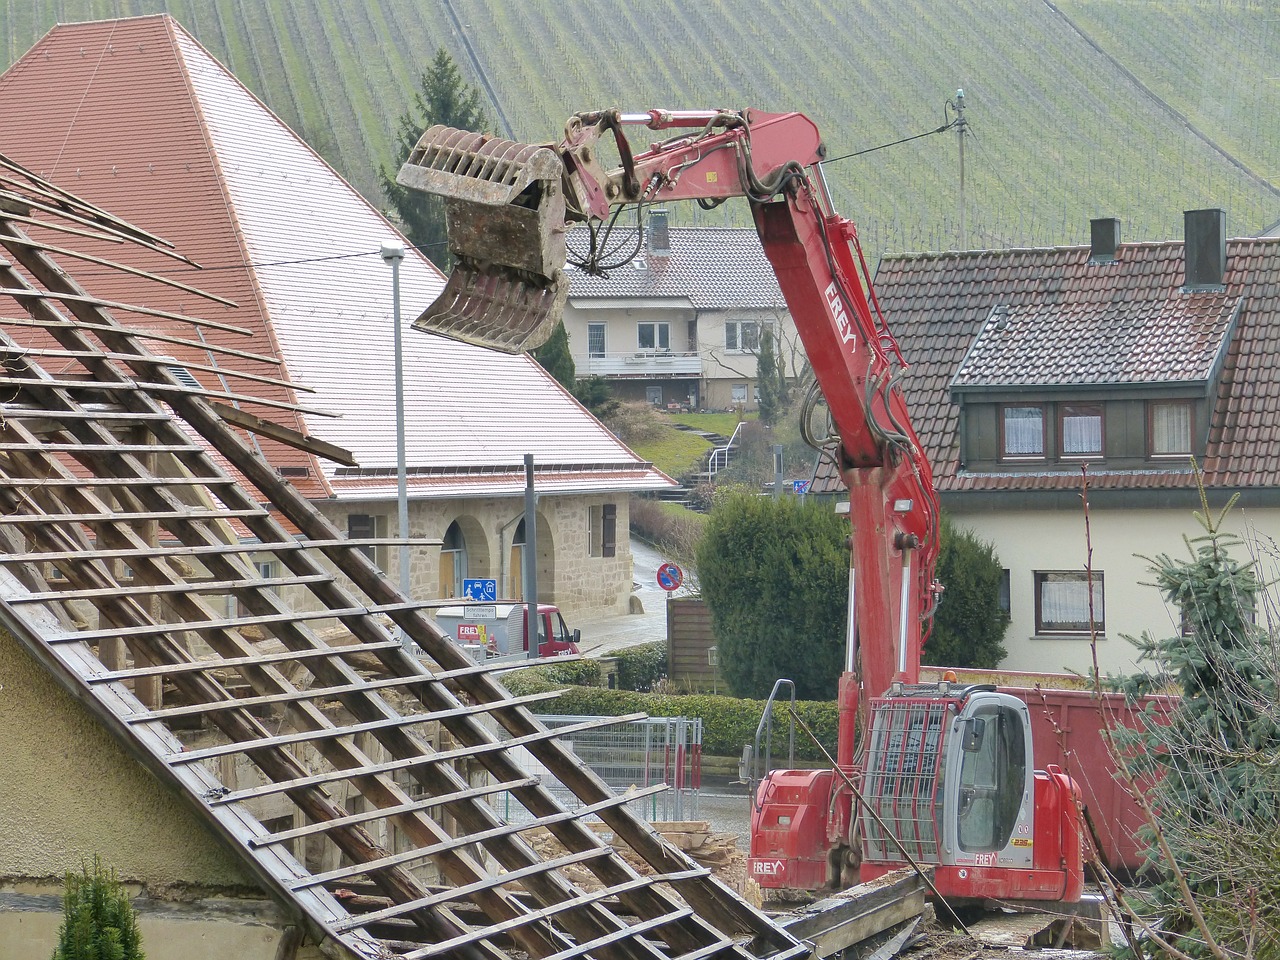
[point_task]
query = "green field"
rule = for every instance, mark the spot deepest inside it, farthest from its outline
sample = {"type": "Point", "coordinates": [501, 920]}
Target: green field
{"type": "Point", "coordinates": [1138, 109]}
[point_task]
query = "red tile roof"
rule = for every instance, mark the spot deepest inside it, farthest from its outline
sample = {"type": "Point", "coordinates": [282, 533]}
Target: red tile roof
{"type": "Point", "coordinates": [1068, 320]}
{"type": "Point", "coordinates": [134, 116]}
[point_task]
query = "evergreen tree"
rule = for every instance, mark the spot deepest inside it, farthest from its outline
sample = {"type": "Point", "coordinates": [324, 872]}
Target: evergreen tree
{"type": "Point", "coordinates": [775, 573]}
{"type": "Point", "coordinates": [771, 380]}
{"type": "Point", "coordinates": [969, 625]}
{"type": "Point", "coordinates": [98, 923]}
{"type": "Point", "coordinates": [554, 357]}
{"type": "Point", "coordinates": [593, 393]}
{"type": "Point", "coordinates": [1212, 760]}
{"type": "Point", "coordinates": [442, 97]}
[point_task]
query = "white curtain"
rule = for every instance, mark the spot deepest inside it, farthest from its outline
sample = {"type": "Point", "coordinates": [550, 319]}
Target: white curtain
{"type": "Point", "coordinates": [1023, 431]}
{"type": "Point", "coordinates": [1064, 599]}
{"type": "Point", "coordinates": [1082, 433]}
{"type": "Point", "coordinates": [1171, 428]}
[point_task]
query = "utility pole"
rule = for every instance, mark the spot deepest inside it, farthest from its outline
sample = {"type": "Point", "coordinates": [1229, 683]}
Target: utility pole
{"type": "Point", "coordinates": [961, 124]}
{"type": "Point", "coordinates": [392, 254]}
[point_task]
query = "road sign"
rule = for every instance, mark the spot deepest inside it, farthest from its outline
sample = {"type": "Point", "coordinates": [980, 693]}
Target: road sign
{"type": "Point", "coordinates": [485, 591]}
{"type": "Point", "coordinates": [799, 487]}
{"type": "Point", "coordinates": [670, 576]}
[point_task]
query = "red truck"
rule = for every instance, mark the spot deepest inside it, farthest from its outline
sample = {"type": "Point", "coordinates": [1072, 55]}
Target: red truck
{"type": "Point", "coordinates": [501, 628]}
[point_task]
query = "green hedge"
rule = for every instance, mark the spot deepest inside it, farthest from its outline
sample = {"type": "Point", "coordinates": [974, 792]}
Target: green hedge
{"type": "Point", "coordinates": [727, 723]}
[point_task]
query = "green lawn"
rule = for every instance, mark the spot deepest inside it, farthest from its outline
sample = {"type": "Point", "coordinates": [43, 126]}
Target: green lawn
{"type": "Point", "coordinates": [675, 452]}
{"type": "Point", "coordinates": [721, 423]}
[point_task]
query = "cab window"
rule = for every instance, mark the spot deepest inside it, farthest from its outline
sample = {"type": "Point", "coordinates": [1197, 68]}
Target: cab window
{"type": "Point", "coordinates": [993, 774]}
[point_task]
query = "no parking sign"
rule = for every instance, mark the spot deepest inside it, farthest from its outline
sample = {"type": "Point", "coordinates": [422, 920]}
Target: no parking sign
{"type": "Point", "coordinates": [670, 576]}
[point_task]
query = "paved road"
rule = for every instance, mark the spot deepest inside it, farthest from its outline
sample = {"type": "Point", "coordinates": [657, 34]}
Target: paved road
{"type": "Point", "coordinates": [606, 634]}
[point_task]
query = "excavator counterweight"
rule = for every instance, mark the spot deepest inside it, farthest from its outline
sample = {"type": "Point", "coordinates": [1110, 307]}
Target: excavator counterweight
{"type": "Point", "coordinates": [505, 213]}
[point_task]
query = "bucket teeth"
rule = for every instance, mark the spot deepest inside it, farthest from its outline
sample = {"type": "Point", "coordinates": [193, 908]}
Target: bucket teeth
{"type": "Point", "coordinates": [486, 307]}
{"type": "Point", "coordinates": [505, 212]}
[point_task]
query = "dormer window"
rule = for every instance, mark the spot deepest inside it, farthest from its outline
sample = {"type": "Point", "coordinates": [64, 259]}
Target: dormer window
{"type": "Point", "coordinates": [1081, 429]}
{"type": "Point", "coordinates": [1022, 437]}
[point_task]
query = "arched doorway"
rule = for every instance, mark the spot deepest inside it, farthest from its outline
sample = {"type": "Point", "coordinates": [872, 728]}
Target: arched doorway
{"type": "Point", "coordinates": [546, 562]}
{"type": "Point", "coordinates": [453, 561]}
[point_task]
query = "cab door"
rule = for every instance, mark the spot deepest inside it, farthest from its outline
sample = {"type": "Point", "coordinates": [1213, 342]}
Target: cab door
{"type": "Point", "coordinates": [988, 810]}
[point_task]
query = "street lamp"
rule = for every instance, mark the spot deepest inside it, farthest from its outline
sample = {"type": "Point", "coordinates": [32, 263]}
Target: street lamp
{"type": "Point", "coordinates": [393, 253]}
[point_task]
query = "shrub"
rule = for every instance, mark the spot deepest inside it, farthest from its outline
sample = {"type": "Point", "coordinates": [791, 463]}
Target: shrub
{"type": "Point", "coordinates": [634, 423]}
{"type": "Point", "coordinates": [671, 528]}
{"type": "Point", "coordinates": [774, 573]}
{"type": "Point", "coordinates": [969, 626]}
{"type": "Point", "coordinates": [98, 923]}
{"type": "Point", "coordinates": [640, 667]}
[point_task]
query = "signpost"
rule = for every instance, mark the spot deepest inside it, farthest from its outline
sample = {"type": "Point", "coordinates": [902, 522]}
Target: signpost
{"type": "Point", "coordinates": [670, 577]}
{"type": "Point", "coordinates": [481, 591]}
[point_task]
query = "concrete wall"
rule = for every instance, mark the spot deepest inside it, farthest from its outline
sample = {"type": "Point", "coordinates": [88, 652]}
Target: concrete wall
{"type": "Point", "coordinates": [68, 792]}
{"type": "Point", "coordinates": [1055, 540]}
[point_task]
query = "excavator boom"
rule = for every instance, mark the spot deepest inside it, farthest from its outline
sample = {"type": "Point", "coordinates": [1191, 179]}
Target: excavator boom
{"type": "Point", "coordinates": [508, 208]}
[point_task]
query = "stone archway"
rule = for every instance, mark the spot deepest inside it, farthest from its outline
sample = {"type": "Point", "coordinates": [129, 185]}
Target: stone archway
{"type": "Point", "coordinates": [464, 552]}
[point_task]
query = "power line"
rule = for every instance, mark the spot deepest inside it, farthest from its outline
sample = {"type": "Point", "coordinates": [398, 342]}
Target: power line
{"type": "Point", "coordinates": [857, 153]}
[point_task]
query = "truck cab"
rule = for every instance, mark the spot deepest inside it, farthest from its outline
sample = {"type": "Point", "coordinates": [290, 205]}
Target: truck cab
{"type": "Point", "coordinates": [501, 629]}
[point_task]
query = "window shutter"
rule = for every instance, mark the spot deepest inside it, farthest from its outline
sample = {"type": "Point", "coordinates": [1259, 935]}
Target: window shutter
{"type": "Point", "coordinates": [609, 530]}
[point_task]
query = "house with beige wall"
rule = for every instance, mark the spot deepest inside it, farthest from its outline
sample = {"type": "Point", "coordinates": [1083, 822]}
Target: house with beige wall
{"type": "Point", "coordinates": [1042, 380]}
{"type": "Point", "coordinates": [679, 317]}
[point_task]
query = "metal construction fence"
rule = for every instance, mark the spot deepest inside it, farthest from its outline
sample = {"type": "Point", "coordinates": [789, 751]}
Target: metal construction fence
{"type": "Point", "coordinates": [627, 756]}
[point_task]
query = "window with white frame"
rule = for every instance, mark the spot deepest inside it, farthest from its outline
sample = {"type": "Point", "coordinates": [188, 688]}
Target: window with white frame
{"type": "Point", "coordinates": [1069, 601]}
{"type": "Point", "coordinates": [1022, 432]}
{"type": "Point", "coordinates": [743, 336]}
{"type": "Point", "coordinates": [739, 392]}
{"type": "Point", "coordinates": [653, 336]}
{"type": "Point", "coordinates": [1081, 429]}
{"type": "Point", "coordinates": [1169, 428]}
{"type": "Point", "coordinates": [595, 339]}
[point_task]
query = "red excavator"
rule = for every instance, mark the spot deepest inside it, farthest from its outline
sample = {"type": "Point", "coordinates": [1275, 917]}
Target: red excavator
{"type": "Point", "coordinates": [942, 775]}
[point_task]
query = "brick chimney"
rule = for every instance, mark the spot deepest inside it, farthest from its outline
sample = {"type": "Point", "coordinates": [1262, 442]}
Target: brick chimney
{"type": "Point", "coordinates": [659, 234]}
{"type": "Point", "coordinates": [1205, 249]}
{"type": "Point", "coordinates": [1104, 239]}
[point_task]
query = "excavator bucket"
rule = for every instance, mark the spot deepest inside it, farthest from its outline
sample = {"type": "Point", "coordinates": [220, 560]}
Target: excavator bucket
{"type": "Point", "coordinates": [505, 213]}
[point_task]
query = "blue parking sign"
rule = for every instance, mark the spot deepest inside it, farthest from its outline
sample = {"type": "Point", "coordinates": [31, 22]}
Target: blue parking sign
{"type": "Point", "coordinates": [484, 591]}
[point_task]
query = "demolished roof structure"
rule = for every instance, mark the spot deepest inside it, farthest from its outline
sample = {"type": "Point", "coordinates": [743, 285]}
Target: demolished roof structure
{"type": "Point", "coordinates": [118, 532]}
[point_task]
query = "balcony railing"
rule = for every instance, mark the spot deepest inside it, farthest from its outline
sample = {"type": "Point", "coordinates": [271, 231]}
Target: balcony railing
{"type": "Point", "coordinates": [640, 363]}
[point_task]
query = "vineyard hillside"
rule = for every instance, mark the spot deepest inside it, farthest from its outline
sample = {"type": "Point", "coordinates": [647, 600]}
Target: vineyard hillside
{"type": "Point", "coordinates": [1137, 109]}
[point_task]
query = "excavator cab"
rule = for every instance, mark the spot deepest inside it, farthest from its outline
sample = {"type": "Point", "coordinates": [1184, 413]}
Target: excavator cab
{"type": "Point", "coordinates": [949, 782]}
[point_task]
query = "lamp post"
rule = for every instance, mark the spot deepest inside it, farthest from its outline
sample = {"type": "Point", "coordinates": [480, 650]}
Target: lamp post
{"type": "Point", "coordinates": [392, 254]}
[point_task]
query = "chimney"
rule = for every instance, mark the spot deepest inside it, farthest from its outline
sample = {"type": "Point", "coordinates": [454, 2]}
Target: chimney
{"type": "Point", "coordinates": [1104, 239]}
{"type": "Point", "coordinates": [659, 234]}
{"type": "Point", "coordinates": [1205, 249]}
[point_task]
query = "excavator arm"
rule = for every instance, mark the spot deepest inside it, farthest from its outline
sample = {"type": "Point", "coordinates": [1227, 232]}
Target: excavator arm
{"type": "Point", "coordinates": [509, 206]}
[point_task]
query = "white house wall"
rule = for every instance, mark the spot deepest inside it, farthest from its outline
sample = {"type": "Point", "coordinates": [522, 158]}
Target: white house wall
{"type": "Point", "coordinates": [1030, 541]}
